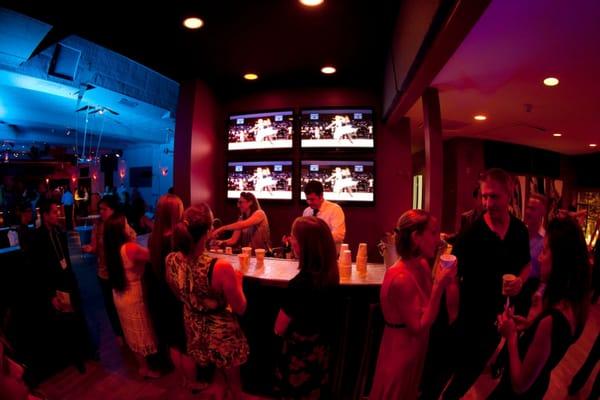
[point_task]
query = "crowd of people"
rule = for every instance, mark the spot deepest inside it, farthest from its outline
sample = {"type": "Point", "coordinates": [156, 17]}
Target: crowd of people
{"type": "Point", "coordinates": [177, 307]}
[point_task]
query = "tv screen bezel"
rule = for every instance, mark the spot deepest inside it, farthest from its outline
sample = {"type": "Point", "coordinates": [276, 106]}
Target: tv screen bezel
{"type": "Point", "coordinates": [340, 148]}
{"type": "Point", "coordinates": [293, 114]}
{"type": "Point", "coordinates": [347, 203]}
{"type": "Point", "coordinates": [267, 161]}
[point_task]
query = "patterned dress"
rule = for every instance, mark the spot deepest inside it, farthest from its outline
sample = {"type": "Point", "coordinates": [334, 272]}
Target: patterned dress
{"type": "Point", "coordinates": [214, 336]}
{"type": "Point", "coordinates": [132, 310]}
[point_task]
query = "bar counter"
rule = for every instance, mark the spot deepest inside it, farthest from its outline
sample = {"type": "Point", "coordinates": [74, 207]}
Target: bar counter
{"type": "Point", "coordinates": [278, 272]}
{"type": "Point", "coordinates": [356, 338]}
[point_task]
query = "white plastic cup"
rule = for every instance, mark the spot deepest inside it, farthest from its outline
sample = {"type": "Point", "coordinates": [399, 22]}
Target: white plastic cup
{"type": "Point", "coordinates": [247, 251]}
{"type": "Point", "coordinates": [260, 258]}
{"type": "Point", "coordinates": [506, 278]}
{"type": "Point", "coordinates": [447, 260]}
{"type": "Point", "coordinates": [244, 260]}
{"type": "Point", "coordinates": [362, 250]}
{"type": "Point", "coordinates": [346, 257]}
{"type": "Point", "coordinates": [228, 250]}
{"type": "Point", "coordinates": [344, 247]}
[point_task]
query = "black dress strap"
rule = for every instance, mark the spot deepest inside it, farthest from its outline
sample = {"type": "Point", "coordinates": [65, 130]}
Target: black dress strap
{"type": "Point", "coordinates": [211, 268]}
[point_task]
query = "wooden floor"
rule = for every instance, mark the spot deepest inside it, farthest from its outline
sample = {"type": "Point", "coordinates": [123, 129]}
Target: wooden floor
{"type": "Point", "coordinates": [114, 377]}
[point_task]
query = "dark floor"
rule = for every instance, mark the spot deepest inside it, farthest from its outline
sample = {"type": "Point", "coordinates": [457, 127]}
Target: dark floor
{"type": "Point", "coordinates": [115, 377]}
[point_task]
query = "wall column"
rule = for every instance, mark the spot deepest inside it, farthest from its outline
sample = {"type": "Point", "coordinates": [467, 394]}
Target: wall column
{"type": "Point", "coordinates": [434, 162]}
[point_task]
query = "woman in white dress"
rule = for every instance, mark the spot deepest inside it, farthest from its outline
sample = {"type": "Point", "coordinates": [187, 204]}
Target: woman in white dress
{"type": "Point", "coordinates": [126, 260]}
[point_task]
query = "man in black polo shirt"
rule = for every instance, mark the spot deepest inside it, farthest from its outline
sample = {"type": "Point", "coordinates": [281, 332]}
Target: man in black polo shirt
{"type": "Point", "coordinates": [496, 244]}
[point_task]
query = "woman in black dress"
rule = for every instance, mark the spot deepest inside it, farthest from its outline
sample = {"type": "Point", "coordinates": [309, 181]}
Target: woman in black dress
{"type": "Point", "coordinates": [565, 272]}
{"type": "Point", "coordinates": [307, 308]}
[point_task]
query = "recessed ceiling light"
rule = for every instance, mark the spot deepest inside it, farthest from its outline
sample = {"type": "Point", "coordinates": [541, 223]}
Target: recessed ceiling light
{"type": "Point", "coordinates": [593, 145]}
{"type": "Point", "coordinates": [557, 134]}
{"type": "Point", "coordinates": [311, 3]}
{"type": "Point", "coordinates": [551, 81]}
{"type": "Point", "coordinates": [250, 77]}
{"type": "Point", "coordinates": [193, 23]}
{"type": "Point", "coordinates": [480, 117]}
{"type": "Point", "coordinates": [328, 70]}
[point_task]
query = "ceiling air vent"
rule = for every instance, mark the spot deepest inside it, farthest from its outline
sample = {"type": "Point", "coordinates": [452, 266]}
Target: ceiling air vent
{"type": "Point", "coordinates": [64, 62]}
{"type": "Point", "coordinates": [128, 103]}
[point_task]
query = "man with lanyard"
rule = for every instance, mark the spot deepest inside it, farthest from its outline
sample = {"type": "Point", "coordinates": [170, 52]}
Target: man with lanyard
{"type": "Point", "coordinates": [58, 292]}
{"type": "Point", "coordinates": [496, 244]}
{"type": "Point", "coordinates": [329, 212]}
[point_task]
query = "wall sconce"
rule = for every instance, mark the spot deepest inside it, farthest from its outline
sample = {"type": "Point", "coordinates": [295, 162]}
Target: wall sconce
{"type": "Point", "coordinates": [122, 169]}
{"type": "Point", "coordinates": [164, 171]}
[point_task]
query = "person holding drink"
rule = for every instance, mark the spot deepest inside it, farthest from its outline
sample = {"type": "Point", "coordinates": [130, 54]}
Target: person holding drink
{"type": "Point", "coordinates": [495, 245]}
{"type": "Point", "coordinates": [565, 270]}
{"type": "Point", "coordinates": [410, 301]}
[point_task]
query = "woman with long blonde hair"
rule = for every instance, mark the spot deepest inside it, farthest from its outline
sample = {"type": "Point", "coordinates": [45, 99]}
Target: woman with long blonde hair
{"type": "Point", "coordinates": [212, 294]}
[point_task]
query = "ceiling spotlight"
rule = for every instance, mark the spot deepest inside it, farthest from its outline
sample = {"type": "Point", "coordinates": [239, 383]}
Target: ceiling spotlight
{"type": "Point", "coordinates": [593, 145]}
{"type": "Point", "coordinates": [311, 3]}
{"type": "Point", "coordinates": [328, 70]}
{"type": "Point", "coordinates": [193, 23]}
{"type": "Point", "coordinates": [551, 81]}
{"type": "Point", "coordinates": [557, 134]}
{"type": "Point", "coordinates": [250, 77]}
{"type": "Point", "coordinates": [480, 117]}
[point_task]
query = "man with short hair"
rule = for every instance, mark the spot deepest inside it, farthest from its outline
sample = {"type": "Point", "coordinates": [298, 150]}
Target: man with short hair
{"type": "Point", "coordinates": [494, 245]}
{"type": "Point", "coordinates": [329, 212]}
{"type": "Point", "coordinates": [56, 286]}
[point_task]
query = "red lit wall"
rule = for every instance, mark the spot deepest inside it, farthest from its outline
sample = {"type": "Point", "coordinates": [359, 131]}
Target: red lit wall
{"type": "Point", "coordinates": [200, 155]}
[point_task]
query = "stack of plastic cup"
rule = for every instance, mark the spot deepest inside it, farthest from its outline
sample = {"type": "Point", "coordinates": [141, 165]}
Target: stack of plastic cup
{"type": "Point", "coordinates": [244, 262]}
{"type": "Point", "coordinates": [343, 248]}
{"type": "Point", "coordinates": [260, 258]}
{"type": "Point", "coordinates": [345, 264]}
{"type": "Point", "coordinates": [361, 260]}
{"type": "Point", "coordinates": [247, 251]}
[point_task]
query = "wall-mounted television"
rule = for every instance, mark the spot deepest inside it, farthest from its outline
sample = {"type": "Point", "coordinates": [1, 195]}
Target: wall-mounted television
{"type": "Point", "coordinates": [341, 127]}
{"type": "Point", "coordinates": [342, 180]}
{"type": "Point", "coordinates": [268, 130]}
{"type": "Point", "coordinates": [268, 180]}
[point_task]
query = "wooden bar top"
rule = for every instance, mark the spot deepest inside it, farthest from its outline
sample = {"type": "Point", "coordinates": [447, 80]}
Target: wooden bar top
{"type": "Point", "coordinates": [278, 272]}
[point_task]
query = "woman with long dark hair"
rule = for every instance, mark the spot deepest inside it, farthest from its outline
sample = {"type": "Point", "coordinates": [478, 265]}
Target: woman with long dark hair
{"type": "Point", "coordinates": [308, 306]}
{"type": "Point", "coordinates": [565, 272]}
{"type": "Point", "coordinates": [166, 309]}
{"type": "Point", "coordinates": [126, 261]}
{"type": "Point", "coordinates": [251, 229]}
{"type": "Point", "coordinates": [106, 208]}
{"type": "Point", "coordinates": [410, 301]}
{"type": "Point", "coordinates": [211, 291]}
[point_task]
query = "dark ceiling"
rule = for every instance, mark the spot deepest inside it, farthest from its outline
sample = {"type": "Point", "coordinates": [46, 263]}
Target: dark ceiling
{"type": "Point", "coordinates": [283, 41]}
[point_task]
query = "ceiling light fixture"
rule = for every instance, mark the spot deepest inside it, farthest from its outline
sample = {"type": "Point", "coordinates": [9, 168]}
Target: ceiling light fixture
{"type": "Point", "coordinates": [311, 3]}
{"type": "Point", "coordinates": [328, 70]}
{"type": "Point", "coordinates": [480, 117]}
{"type": "Point", "coordinates": [593, 145]}
{"type": "Point", "coordinates": [193, 23]}
{"type": "Point", "coordinates": [551, 81]}
{"type": "Point", "coordinates": [250, 77]}
{"type": "Point", "coordinates": [557, 134]}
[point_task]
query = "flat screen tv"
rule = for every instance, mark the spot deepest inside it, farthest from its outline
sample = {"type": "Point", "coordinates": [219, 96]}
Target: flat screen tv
{"type": "Point", "coordinates": [268, 130]}
{"type": "Point", "coordinates": [267, 180]}
{"type": "Point", "coordinates": [337, 128]}
{"type": "Point", "coordinates": [342, 180]}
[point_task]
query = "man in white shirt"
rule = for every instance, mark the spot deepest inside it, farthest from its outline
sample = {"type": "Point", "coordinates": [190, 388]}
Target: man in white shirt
{"type": "Point", "coordinates": [329, 212]}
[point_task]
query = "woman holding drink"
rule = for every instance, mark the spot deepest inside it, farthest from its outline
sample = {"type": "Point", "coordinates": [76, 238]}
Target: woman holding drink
{"type": "Point", "coordinates": [546, 337]}
{"type": "Point", "coordinates": [410, 301]}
